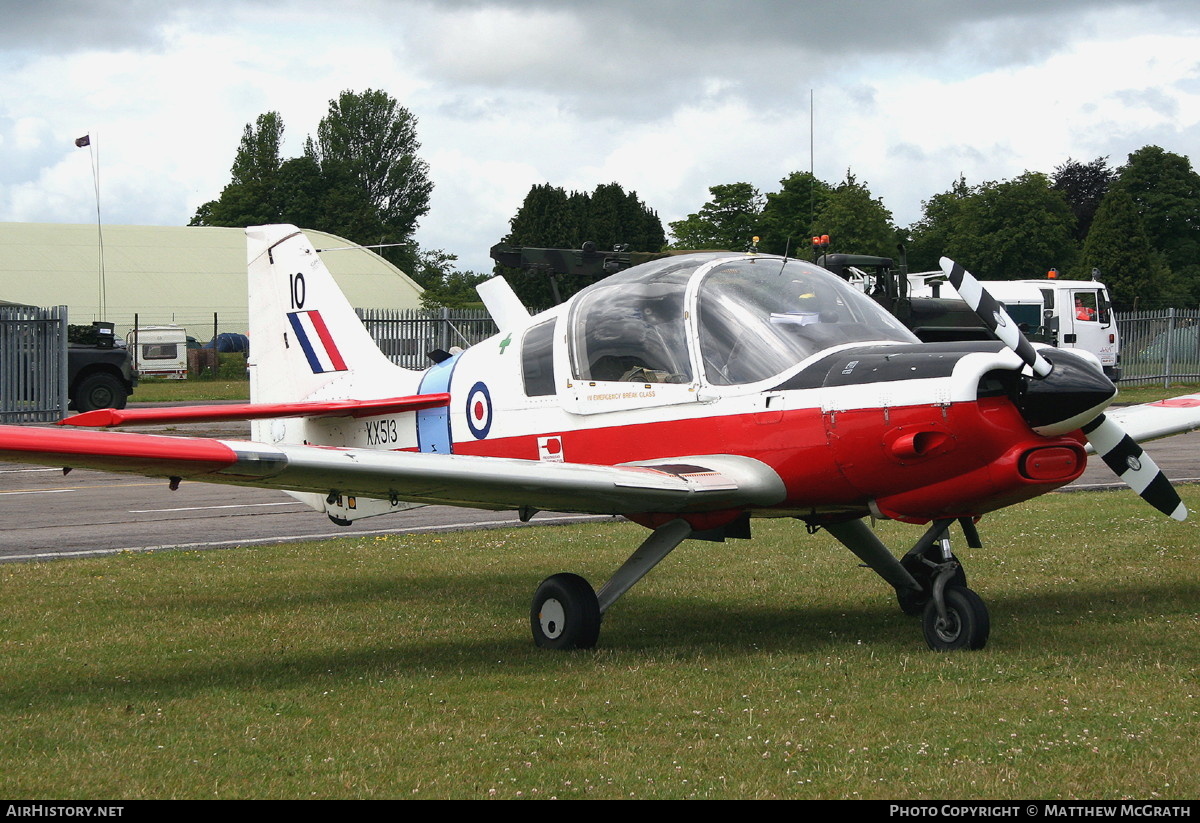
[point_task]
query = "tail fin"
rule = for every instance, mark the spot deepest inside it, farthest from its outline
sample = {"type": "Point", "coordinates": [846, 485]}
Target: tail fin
{"type": "Point", "coordinates": [306, 342]}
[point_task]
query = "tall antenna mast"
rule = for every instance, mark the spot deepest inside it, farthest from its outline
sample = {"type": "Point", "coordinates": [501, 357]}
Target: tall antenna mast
{"type": "Point", "coordinates": [812, 163]}
{"type": "Point", "coordinates": [93, 152]}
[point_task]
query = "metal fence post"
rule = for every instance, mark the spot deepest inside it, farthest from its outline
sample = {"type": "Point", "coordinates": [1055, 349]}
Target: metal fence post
{"type": "Point", "coordinates": [1170, 347]}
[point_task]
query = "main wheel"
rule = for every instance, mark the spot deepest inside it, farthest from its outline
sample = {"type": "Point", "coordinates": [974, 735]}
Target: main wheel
{"type": "Point", "coordinates": [966, 626]}
{"type": "Point", "coordinates": [565, 613]}
{"type": "Point", "coordinates": [100, 391]}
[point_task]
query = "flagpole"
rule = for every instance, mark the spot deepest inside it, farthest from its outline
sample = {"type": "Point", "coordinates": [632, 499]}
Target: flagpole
{"type": "Point", "coordinates": [94, 154]}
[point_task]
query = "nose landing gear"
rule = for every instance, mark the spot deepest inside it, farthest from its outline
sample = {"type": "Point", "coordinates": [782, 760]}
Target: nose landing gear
{"type": "Point", "coordinates": [929, 581]}
{"type": "Point", "coordinates": [952, 616]}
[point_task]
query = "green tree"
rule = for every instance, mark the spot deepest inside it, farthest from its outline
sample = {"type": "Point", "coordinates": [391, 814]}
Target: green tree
{"type": "Point", "coordinates": [251, 198]}
{"type": "Point", "coordinates": [1166, 191]}
{"type": "Point", "coordinates": [999, 231]}
{"type": "Point", "coordinates": [547, 218]}
{"type": "Point", "coordinates": [444, 285]}
{"type": "Point", "coordinates": [856, 222]}
{"type": "Point", "coordinates": [373, 140]}
{"type": "Point", "coordinates": [1084, 185]}
{"type": "Point", "coordinates": [729, 221]}
{"type": "Point", "coordinates": [367, 146]}
{"type": "Point", "coordinates": [930, 237]}
{"type": "Point", "coordinates": [616, 217]}
{"type": "Point", "coordinates": [789, 216]}
{"type": "Point", "coordinates": [550, 218]}
{"type": "Point", "coordinates": [257, 158]}
{"type": "Point", "coordinates": [302, 193]}
{"type": "Point", "coordinates": [1120, 249]}
{"type": "Point", "coordinates": [360, 178]}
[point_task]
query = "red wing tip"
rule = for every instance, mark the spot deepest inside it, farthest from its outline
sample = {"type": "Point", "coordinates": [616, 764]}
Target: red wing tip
{"type": "Point", "coordinates": [96, 418]}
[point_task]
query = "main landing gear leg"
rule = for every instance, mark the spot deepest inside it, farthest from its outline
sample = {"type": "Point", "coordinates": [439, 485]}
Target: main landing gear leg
{"type": "Point", "coordinates": [566, 612]}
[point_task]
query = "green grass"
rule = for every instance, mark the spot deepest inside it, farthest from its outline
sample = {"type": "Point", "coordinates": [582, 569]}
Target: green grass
{"type": "Point", "coordinates": [1132, 395]}
{"type": "Point", "coordinates": [190, 391]}
{"type": "Point", "coordinates": [402, 666]}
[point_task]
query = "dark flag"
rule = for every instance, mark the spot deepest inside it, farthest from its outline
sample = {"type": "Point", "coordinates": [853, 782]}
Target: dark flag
{"type": "Point", "coordinates": [86, 140]}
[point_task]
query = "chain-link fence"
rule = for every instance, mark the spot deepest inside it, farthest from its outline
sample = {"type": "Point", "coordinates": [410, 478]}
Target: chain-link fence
{"type": "Point", "coordinates": [1161, 346]}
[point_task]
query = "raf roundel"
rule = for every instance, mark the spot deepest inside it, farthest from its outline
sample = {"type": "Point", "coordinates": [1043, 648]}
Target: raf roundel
{"type": "Point", "coordinates": [479, 410]}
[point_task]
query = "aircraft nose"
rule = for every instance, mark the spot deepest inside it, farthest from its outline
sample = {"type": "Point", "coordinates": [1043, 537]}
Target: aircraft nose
{"type": "Point", "coordinates": [1074, 393]}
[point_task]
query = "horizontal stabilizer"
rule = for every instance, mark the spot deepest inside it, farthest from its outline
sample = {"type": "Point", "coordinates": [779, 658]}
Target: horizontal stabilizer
{"type": "Point", "coordinates": [256, 411]}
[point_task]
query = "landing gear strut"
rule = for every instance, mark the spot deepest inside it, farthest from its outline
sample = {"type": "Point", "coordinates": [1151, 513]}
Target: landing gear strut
{"type": "Point", "coordinates": [566, 612]}
{"type": "Point", "coordinates": [952, 616]}
{"type": "Point", "coordinates": [932, 558]}
{"type": "Point", "coordinates": [929, 581]}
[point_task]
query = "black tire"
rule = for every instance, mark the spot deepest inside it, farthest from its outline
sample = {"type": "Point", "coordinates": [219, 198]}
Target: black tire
{"type": "Point", "coordinates": [967, 624]}
{"type": "Point", "coordinates": [100, 391]}
{"type": "Point", "coordinates": [565, 613]}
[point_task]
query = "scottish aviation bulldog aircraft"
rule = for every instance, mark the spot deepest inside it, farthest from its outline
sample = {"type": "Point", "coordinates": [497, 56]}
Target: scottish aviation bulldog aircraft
{"type": "Point", "coordinates": [690, 394]}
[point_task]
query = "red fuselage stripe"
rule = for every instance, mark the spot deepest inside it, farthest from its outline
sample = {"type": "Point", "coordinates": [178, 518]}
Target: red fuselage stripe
{"type": "Point", "coordinates": [825, 459]}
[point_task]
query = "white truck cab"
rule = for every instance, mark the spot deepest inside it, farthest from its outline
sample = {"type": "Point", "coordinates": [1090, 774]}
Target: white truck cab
{"type": "Point", "coordinates": [1069, 314]}
{"type": "Point", "coordinates": [1078, 314]}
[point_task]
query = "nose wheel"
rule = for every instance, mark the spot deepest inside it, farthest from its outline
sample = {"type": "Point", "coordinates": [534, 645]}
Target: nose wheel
{"type": "Point", "coordinates": [958, 619]}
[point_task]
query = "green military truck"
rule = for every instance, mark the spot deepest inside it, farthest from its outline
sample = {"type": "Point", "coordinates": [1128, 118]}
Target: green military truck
{"type": "Point", "coordinates": [100, 373]}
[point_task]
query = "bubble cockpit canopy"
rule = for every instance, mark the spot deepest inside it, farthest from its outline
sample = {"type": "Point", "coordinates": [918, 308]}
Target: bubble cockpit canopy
{"type": "Point", "coordinates": [718, 318]}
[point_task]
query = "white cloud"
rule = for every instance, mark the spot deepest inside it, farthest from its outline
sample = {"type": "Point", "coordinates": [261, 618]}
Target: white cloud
{"type": "Point", "coordinates": [666, 98]}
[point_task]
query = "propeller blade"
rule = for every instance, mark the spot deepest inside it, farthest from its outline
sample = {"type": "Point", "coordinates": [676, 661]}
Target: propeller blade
{"type": "Point", "coordinates": [1117, 449]}
{"type": "Point", "coordinates": [994, 316]}
{"type": "Point", "coordinates": [1127, 460]}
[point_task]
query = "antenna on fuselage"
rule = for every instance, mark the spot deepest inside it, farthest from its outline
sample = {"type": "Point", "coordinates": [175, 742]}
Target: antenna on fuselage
{"type": "Point", "coordinates": [787, 246]}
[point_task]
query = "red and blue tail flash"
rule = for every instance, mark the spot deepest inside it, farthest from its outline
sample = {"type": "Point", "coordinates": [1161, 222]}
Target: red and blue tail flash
{"type": "Point", "coordinates": [316, 341]}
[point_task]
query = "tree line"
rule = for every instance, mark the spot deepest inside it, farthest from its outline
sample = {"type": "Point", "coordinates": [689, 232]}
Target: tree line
{"type": "Point", "coordinates": [360, 177]}
{"type": "Point", "coordinates": [1137, 226]}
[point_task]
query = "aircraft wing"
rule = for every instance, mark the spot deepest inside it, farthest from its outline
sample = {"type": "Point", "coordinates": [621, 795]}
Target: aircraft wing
{"type": "Point", "coordinates": [1151, 421]}
{"type": "Point", "coordinates": [687, 484]}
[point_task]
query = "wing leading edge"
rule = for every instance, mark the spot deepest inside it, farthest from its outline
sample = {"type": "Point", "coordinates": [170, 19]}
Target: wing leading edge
{"type": "Point", "coordinates": [687, 484]}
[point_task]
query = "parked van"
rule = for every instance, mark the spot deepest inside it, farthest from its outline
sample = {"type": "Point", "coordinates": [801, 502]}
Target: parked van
{"type": "Point", "coordinates": [1079, 315]}
{"type": "Point", "coordinates": [1069, 314]}
{"type": "Point", "coordinates": [159, 351]}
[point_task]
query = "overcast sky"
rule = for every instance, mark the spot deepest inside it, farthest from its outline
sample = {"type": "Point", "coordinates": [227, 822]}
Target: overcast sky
{"type": "Point", "coordinates": [665, 97]}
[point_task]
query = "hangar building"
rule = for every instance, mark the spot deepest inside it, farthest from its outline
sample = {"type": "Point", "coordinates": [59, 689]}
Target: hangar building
{"type": "Point", "coordinates": [178, 275]}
